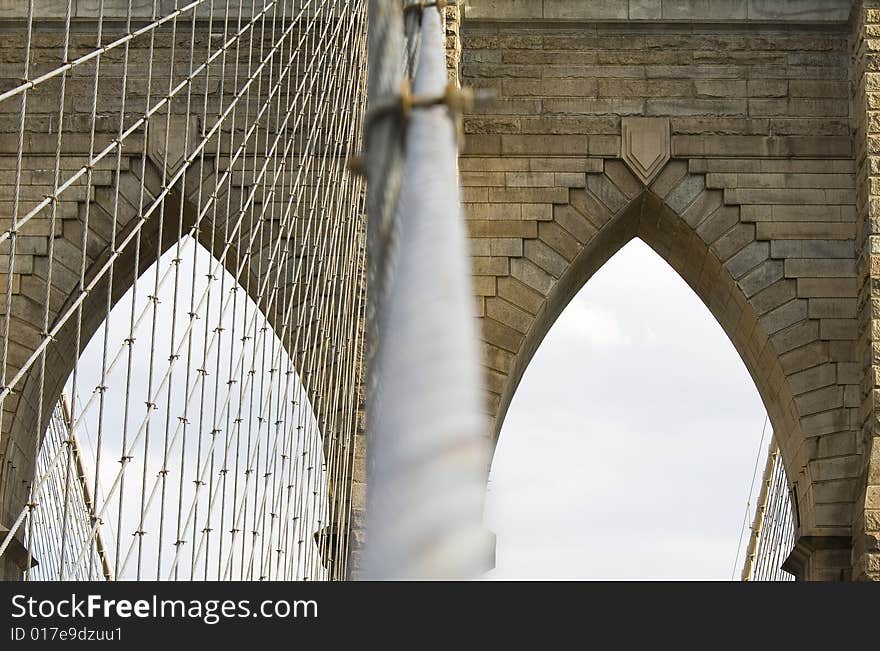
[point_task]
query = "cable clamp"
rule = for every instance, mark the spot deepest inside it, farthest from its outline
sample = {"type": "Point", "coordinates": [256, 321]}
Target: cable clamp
{"type": "Point", "coordinates": [458, 100]}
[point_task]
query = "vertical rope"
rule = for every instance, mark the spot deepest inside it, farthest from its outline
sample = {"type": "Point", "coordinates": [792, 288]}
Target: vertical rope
{"type": "Point", "coordinates": [772, 532]}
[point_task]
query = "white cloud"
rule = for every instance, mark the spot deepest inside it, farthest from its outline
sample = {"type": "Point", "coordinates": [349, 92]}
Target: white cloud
{"type": "Point", "coordinates": [592, 325]}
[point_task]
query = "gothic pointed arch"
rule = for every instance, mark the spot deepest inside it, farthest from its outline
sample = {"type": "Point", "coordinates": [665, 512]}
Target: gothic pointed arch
{"type": "Point", "coordinates": [754, 285]}
{"type": "Point", "coordinates": [291, 268]}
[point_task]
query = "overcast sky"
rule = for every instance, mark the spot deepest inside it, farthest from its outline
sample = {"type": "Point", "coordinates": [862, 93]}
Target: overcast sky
{"type": "Point", "coordinates": [627, 451]}
{"type": "Point", "coordinates": [630, 444]}
{"type": "Point", "coordinates": [226, 352]}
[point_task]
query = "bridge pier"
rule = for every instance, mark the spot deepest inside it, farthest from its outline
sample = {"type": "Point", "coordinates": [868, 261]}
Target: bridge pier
{"type": "Point", "coordinates": [820, 558]}
{"type": "Point", "coordinates": [14, 561]}
{"type": "Point", "coordinates": [739, 140]}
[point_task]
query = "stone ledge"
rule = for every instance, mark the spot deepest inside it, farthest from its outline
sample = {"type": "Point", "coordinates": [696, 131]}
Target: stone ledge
{"type": "Point", "coordinates": [16, 552]}
{"type": "Point", "coordinates": [764, 11]}
{"type": "Point", "coordinates": [808, 548]}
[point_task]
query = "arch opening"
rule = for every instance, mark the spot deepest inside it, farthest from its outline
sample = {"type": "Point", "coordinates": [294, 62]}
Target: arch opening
{"type": "Point", "coordinates": [253, 284]}
{"type": "Point", "coordinates": [628, 443]}
{"type": "Point", "coordinates": [675, 241]}
{"type": "Point", "coordinates": [649, 218]}
{"type": "Point", "coordinates": [186, 445]}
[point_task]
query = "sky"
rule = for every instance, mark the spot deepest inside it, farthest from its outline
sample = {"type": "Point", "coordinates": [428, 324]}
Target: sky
{"type": "Point", "coordinates": [629, 446]}
{"type": "Point", "coordinates": [627, 451]}
{"type": "Point", "coordinates": [228, 357]}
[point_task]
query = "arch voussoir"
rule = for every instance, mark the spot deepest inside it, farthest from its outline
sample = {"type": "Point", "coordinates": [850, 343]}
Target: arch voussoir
{"type": "Point", "coordinates": [751, 273]}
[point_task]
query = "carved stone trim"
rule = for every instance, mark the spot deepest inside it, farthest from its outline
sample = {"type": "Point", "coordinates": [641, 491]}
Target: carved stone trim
{"type": "Point", "coordinates": [176, 140]}
{"type": "Point", "coordinates": [798, 561]}
{"type": "Point", "coordinates": [645, 146]}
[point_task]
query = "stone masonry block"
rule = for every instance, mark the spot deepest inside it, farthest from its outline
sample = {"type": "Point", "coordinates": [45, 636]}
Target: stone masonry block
{"type": "Point", "coordinates": [819, 268]}
{"type": "Point", "coordinates": [559, 240]}
{"type": "Point", "coordinates": [835, 308]}
{"type": "Point", "coordinates": [762, 277]}
{"type": "Point", "coordinates": [827, 287]}
{"type": "Point", "coordinates": [519, 294]}
{"type": "Point", "coordinates": [748, 258]}
{"type": "Point", "coordinates": [509, 314]}
{"type": "Point", "coordinates": [685, 193]}
{"type": "Point", "coordinates": [575, 222]}
{"type": "Point", "coordinates": [774, 296]}
{"type": "Point", "coordinates": [531, 275]}
{"type": "Point", "coordinates": [608, 193]}
{"type": "Point", "coordinates": [545, 257]}
{"type": "Point", "coordinates": [784, 316]}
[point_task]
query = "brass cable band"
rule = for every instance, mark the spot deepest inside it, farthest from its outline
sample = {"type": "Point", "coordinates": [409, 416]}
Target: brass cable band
{"type": "Point", "coordinates": [457, 100]}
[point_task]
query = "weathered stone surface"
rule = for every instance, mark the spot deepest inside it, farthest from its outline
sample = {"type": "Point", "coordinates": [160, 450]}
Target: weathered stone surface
{"type": "Point", "coordinates": [757, 206]}
{"type": "Point", "coordinates": [762, 196]}
{"type": "Point", "coordinates": [678, 10]}
{"type": "Point", "coordinates": [645, 146]}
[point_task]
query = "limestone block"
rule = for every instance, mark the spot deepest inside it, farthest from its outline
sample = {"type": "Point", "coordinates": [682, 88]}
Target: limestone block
{"type": "Point", "coordinates": [559, 240]}
{"type": "Point", "coordinates": [679, 107]}
{"type": "Point", "coordinates": [528, 195]}
{"type": "Point", "coordinates": [606, 192]}
{"type": "Point", "coordinates": [837, 308]}
{"type": "Point", "coordinates": [812, 378]}
{"type": "Point", "coordinates": [623, 179]}
{"type": "Point", "coordinates": [529, 179]}
{"type": "Point", "coordinates": [645, 9]}
{"type": "Point", "coordinates": [497, 358]}
{"type": "Point", "coordinates": [504, 9]}
{"type": "Point", "coordinates": [707, 204]}
{"type": "Point", "coordinates": [774, 296]}
{"type": "Point", "coordinates": [506, 246]}
{"type": "Point", "coordinates": [500, 335]}
{"type": "Point", "coordinates": [800, 231]}
{"type": "Point", "coordinates": [838, 328]}
{"type": "Point", "coordinates": [490, 266]}
{"type": "Point", "coordinates": [784, 316]}
{"type": "Point", "coordinates": [819, 268]}
{"type": "Point", "coordinates": [531, 275]}
{"type": "Point", "coordinates": [484, 285]}
{"type": "Point", "coordinates": [544, 144]}
{"type": "Point", "coordinates": [762, 277]}
{"type": "Point", "coordinates": [747, 258]}
{"type": "Point", "coordinates": [520, 294]}
{"type": "Point", "coordinates": [795, 336]}
{"type": "Point", "coordinates": [669, 178]}
{"type": "Point", "coordinates": [509, 314]}
{"type": "Point", "coordinates": [809, 10]}
{"type": "Point", "coordinates": [827, 287]}
{"type": "Point", "coordinates": [805, 357]}
{"type": "Point", "coordinates": [685, 193]}
{"type": "Point", "coordinates": [545, 257]}
{"type": "Point", "coordinates": [733, 241]}
{"type": "Point", "coordinates": [811, 248]}
{"type": "Point", "coordinates": [598, 9]}
{"type": "Point", "coordinates": [570, 179]}
{"type": "Point", "coordinates": [714, 9]}
{"type": "Point", "coordinates": [503, 228]}
{"type": "Point", "coordinates": [575, 222]}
